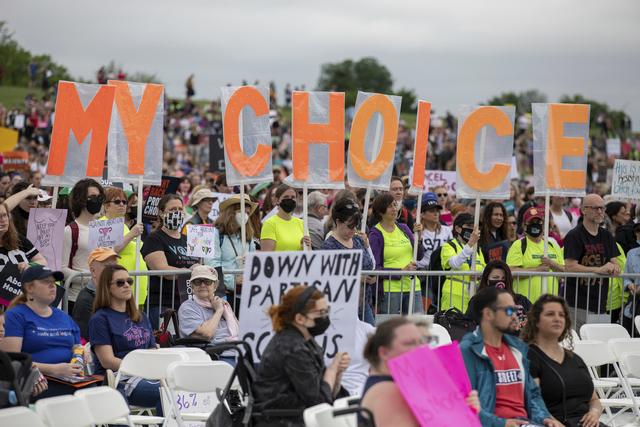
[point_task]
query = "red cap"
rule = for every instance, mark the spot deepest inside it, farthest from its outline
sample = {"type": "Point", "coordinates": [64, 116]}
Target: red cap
{"type": "Point", "coordinates": [534, 212]}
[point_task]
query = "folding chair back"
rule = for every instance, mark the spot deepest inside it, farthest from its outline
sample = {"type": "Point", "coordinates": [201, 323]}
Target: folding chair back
{"type": "Point", "coordinates": [192, 354]}
{"type": "Point", "coordinates": [594, 353]}
{"type": "Point", "coordinates": [198, 377]}
{"type": "Point", "coordinates": [105, 404]}
{"type": "Point", "coordinates": [603, 331]}
{"type": "Point", "coordinates": [632, 362]}
{"type": "Point", "coordinates": [327, 418]}
{"type": "Point", "coordinates": [149, 364]}
{"type": "Point", "coordinates": [19, 417]}
{"type": "Point", "coordinates": [441, 332]}
{"type": "Point", "coordinates": [621, 346]}
{"type": "Point", "coordinates": [64, 411]}
{"type": "Point", "coordinates": [310, 414]}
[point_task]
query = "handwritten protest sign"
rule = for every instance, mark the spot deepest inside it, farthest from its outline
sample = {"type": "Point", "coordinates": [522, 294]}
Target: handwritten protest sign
{"type": "Point", "coordinates": [106, 233]}
{"type": "Point", "coordinates": [318, 134]}
{"type": "Point", "coordinates": [153, 194]}
{"type": "Point", "coordinates": [200, 240]}
{"type": "Point", "coordinates": [626, 179]}
{"type": "Point", "coordinates": [484, 151]}
{"type": "Point", "coordinates": [433, 396]}
{"type": "Point", "coordinates": [269, 275]}
{"type": "Point", "coordinates": [136, 133]}
{"type": "Point", "coordinates": [45, 230]}
{"type": "Point", "coordinates": [560, 148]}
{"type": "Point", "coordinates": [446, 179]}
{"type": "Point", "coordinates": [190, 403]}
{"type": "Point", "coordinates": [215, 208]}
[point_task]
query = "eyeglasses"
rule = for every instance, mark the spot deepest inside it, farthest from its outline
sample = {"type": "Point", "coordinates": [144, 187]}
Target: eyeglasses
{"type": "Point", "coordinates": [508, 310]}
{"type": "Point", "coordinates": [322, 313]}
{"type": "Point", "coordinates": [596, 208]}
{"type": "Point", "coordinates": [118, 202]}
{"type": "Point", "coordinates": [121, 282]}
{"type": "Point", "coordinates": [431, 340]}
{"type": "Point", "coordinates": [202, 282]}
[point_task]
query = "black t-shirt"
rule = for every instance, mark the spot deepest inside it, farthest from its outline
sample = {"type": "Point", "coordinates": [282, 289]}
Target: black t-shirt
{"type": "Point", "coordinates": [589, 251]}
{"type": "Point", "coordinates": [176, 252]}
{"type": "Point", "coordinates": [578, 386]}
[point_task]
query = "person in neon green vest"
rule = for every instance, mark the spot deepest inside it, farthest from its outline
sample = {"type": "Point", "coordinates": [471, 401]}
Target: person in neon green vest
{"type": "Point", "coordinates": [456, 255]}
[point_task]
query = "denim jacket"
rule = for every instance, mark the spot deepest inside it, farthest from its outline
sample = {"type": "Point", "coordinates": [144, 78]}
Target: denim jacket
{"type": "Point", "coordinates": [482, 376]}
{"type": "Point", "coordinates": [226, 249]}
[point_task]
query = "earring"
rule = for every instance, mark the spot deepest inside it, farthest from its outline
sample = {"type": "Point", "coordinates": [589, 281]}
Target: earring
{"type": "Point", "coordinates": [30, 298]}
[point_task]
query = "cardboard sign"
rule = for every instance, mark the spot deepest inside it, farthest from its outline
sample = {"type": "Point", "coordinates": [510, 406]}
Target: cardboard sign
{"type": "Point", "coordinates": [45, 230]}
{"type": "Point", "coordinates": [372, 145]}
{"type": "Point", "coordinates": [153, 194]}
{"type": "Point", "coordinates": [106, 233]}
{"type": "Point", "coordinates": [560, 148]}
{"type": "Point", "coordinates": [247, 135]}
{"type": "Point", "coordinates": [136, 133]}
{"type": "Point", "coordinates": [446, 179]}
{"type": "Point", "coordinates": [215, 208]}
{"type": "Point", "coordinates": [317, 133]}
{"type": "Point", "coordinates": [626, 180]}
{"type": "Point", "coordinates": [8, 139]}
{"type": "Point", "coordinates": [269, 275]}
{"type": "Point", "coordinates": [452, 360]}
{"type": "Point", "coordinates": [80, 133]}
{"type": "Point", "coordinates": [484, 151]}
{"type": "Point", "coordinates": [15, 161]}
{"type": "Point", "coordinates": [427, 387]}
{"type": "Point", "coordinates": [420, 148]}
{"type": "Point", "coordinates": [200, 240]}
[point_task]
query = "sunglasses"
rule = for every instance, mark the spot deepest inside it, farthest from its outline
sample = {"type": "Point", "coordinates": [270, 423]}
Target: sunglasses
{"type": "Point", "coordinates": [118, 202]}
{"type": "Point", "coordinates": [121, 282]}
{"type": "Point", "coordinates": [441, 194]}
{"type": "Point", "coordinates": [508, 310]}
{"type": "Point", "coordinates": [202, 282]}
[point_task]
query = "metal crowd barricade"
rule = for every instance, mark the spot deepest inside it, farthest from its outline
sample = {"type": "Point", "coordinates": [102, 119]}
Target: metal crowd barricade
{"type": "Point", "coordinates": [590, 291]}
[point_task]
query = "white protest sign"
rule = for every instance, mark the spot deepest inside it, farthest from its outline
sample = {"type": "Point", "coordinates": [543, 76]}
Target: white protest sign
{"type": "Point", "coordinates": [215, 209]}
{"type": "Point", "coordinates": [106, 233]}
{"type": "Point", "coordinates": [200, 240]}
{"type": "Point", "coordinates": [269, 275]}
{"type": "Point", "coordinates": [191, 403]}
{"type": "Point", "coordinates": [614, 147]}
{"type": "Point", "coordinates": [445, 179]}
{"type": "Point", "coordinates": [626, 180]}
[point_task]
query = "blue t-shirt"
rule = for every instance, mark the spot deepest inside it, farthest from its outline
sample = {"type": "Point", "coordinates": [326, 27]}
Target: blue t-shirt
{"type": "Point", "coordinates": [114, 328]}
{"type": "Point", "coordinates": [46, 339]}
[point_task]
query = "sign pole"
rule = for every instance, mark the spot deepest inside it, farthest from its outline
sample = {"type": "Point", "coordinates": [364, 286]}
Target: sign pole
{"type": "Point", "coordinates": [547, 202]}
{"type": "Point", "coordinates": [139, 238]}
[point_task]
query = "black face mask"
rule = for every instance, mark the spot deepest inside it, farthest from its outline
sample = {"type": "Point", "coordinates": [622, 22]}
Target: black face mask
{"type": "Point", "coordinates": [497, 283]}
{"type": "Point", "coordinates": [133, 212]}
{"type": "Point", "coordinates": [466, 234]}
{"type": "Point", "coordinates": [288, 205]}
{"type": "Point", "coordinates": [534, 229]}
{"type": "Point", "coordinates": [94, 204]}
{"type": "Point", "coordinates": [320, 326]}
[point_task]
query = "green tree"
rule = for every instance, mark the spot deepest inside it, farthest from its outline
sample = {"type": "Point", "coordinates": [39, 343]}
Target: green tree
{"type": "Point", "coordinates": [367, 75]}
{"type": "Point", "coordinates": [521, 100]}
{"type": "Point", "coordinates": [409, 100]}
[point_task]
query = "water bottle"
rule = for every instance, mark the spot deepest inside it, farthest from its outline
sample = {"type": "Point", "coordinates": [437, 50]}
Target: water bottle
{"type": "Point", "coordinates": [78, 356]}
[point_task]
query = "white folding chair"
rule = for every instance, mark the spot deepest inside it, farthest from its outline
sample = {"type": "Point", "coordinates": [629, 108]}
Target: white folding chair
{"type": "Point", "coordinates": [325, 418]}
{"type": "Point", "coordinates": [441, 332]}
{"type": "Point", "coordinates": [603, 331]}
{"type": "Point", "coordinates": [106, 405]}
{"type": "Point", "coordinates": [196, 377]}
{"type": "Point", "coordinates": [595, 354]}
{"type": "Point", "coordinates": [64, 411]}
{"type": "Point", "coordinates": [150, 364]}
{"type": "Point", "coordinates": [636, 321]}
{"type": "Point", "coordinates": [192, 354]}
{"type": "Point", "coordinates": [347, 402]}
{"type": "Point", "coordinates": [309, 414]}
{"type": "Point", "coordinates": [19, 417]}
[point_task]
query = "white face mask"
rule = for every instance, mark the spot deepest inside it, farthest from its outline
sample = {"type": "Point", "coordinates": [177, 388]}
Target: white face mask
{"type": "Point", "coordinates": [242, 218]}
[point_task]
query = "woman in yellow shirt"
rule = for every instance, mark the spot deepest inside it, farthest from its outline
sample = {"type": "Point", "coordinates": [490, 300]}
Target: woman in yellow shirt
{"type": "Point", "coordinates": [283, 231]}
{"type": "Point", "coordinates": [115, 206]}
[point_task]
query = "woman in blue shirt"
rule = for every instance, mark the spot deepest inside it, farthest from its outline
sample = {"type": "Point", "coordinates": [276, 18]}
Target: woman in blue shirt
{"type": "Point", "coordinates": [118, 327]}
{"type": "Point", "coordinates": [46, 333]}
{"type": "Point", "coordinates": [346, 218]}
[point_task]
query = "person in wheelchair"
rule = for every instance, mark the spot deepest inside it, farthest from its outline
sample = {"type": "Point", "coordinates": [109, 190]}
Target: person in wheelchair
{"type": "Point", "coordinates": [292, 373]}
{"type": "Point", "coordinates": [207, 316]}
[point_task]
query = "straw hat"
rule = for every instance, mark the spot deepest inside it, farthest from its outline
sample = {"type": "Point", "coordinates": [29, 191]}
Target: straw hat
{"type": "Point", "coordinates": [235, 199]}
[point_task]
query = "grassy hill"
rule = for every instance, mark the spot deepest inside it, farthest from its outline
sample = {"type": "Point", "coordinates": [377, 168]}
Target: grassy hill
{"type": "Point", "coordinates": [13, 96]}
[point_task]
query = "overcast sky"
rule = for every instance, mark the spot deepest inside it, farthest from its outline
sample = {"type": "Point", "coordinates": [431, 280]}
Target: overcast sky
{"type": "Point", "coordinates": [451, 52]}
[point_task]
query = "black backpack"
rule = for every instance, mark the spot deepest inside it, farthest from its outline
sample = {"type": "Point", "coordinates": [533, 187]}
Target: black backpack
{"type": "Point", "coordinates": [16, 375]}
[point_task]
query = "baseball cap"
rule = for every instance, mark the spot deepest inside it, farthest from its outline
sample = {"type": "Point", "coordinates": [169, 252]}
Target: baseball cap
{"type": "Point", "coordinates": [463, 219]}
{"type": "Point", "coordinates": [43, 196]}
{"type": "Point", "coordinates": [204, 272]}
{"type": "Point", "coordinates": [101, 254]}
{"type": "Point", "coordinates": [533, 212]}
{"type": "Point", "coordinates": [37, 271]}
{"type": "Point", "coordinates": [430, 200]}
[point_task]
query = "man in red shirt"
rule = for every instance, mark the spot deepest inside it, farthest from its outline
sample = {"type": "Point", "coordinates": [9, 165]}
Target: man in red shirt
{"type": "Point", "coordinates": [498, 366]}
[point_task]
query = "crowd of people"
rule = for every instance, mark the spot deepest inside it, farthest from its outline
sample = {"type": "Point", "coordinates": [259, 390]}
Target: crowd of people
{"type": "Point", "coordinates": [511, 358]}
